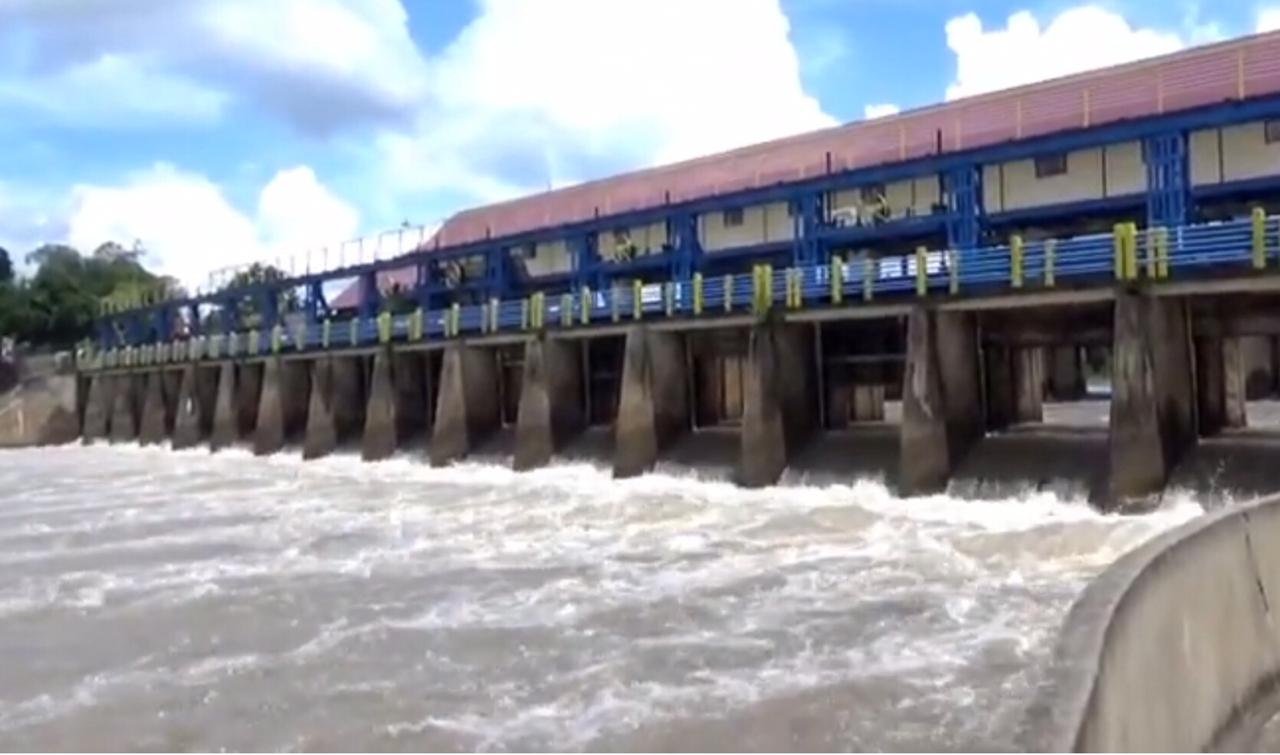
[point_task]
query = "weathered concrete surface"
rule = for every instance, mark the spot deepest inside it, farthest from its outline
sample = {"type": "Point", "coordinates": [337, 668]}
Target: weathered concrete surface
{"type": "Point", "coordinates": [97, 410]}
{"type": "Point", "coordinates": [941, 399]}
{"type": "Point", "coordinates": [1166, 650]}
{"type": "Point", "coordinates": [653, 401]}
{"type": "Point", "coordinates": [396, 410]}
{"type": "Point", "coordinates": [999, 386]}
{"type": "Point", "coordinates": [1028, 370]}
{"type": "Point", "coordinates": [336, 409]}
{"type": "Point", "coordinates": [467, 408]}
{"type": "Point", "coordinates": [868, 403]}
{"type": "Point", "coordinates": [154, 429]}
{"type": "Point", "coordinates": [1066, 373]}
{"type": "Point", "coordinates": [40, 411]}
{"type": "Point", "coordinates": [778, 411]}
{"type": "Point", "coordinates": [552, 409]}
{"type": "Point", "coordinates": [282, 405]}
{"type": "Point", "coordinates": [247, 398]}
{"type": "Point", "coordinates": [1220, 385]}
{"type": "Point", "coordinates": [225, 432]}
{"type": "Point", "coordinates": [1152, 402]}
{"type": "Point", "coordinates": [126, 407]}
{"type": "Point", "coordinates": [1258, 353]}
{"type": "Point", "coordinates": [193, 418]}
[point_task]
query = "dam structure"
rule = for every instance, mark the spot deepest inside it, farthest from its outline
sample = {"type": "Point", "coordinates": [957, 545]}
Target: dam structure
{"type": "Point", "coordinates": [970, 260]}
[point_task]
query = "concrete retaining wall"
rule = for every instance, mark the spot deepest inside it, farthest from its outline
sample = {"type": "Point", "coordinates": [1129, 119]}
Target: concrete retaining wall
{"type": "Point", "coordinates": [1171, 645]}
{"type": "Point", "coordinates": [40, 412]}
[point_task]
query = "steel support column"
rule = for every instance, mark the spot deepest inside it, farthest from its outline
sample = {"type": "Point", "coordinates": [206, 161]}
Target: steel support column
{"type": "Point", "coordinates": [962, 190]}
{"type": "Point", "coordinates": [1168, 187]}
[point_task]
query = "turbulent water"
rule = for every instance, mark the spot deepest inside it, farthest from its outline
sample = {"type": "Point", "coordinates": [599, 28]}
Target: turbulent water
{"type": "Point", "coordinates": [152, 599]}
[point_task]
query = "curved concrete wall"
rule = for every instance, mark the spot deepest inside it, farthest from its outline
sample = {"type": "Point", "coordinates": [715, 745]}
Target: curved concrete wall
{"type": "Point", "coordinates": [1172, 645]}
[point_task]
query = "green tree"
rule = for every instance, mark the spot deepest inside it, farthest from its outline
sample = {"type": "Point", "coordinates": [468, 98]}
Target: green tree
{"type": "Point", "coordinates": [6, 266]}
{"type": "Point", "coordinates": [248, 305]}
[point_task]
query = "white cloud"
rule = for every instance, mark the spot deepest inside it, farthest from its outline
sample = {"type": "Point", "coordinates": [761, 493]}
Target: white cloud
{"type": "Point", "coordinates": [1268, 19]}
{"type": "Point", "coordinates": [320, 64]}
{"type": "Point", "coordinates": [531, 94]}
{"type": "Point", "coordinates": [880, 111]}
{"type": "Point", "coordinates": [1025, 51]}
{"type": "Point", "coordinates": [189, 228]}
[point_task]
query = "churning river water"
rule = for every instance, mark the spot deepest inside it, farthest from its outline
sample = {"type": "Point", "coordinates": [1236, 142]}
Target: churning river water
{"type": "Point", "coordinates": [153, 599]}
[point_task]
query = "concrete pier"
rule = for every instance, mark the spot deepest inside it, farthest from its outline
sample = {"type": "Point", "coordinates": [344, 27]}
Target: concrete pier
{"type": "Point", "coordinates": [1152, 409]}
{"type": "Point", "coordinates": [397, 407]}
{"type": "Point", "coordinates": [282, 405]}
{"type": "Point", "coordinates": [467, 409]}
{"type": "Point", "coordinates": [1028, 371]}
{"type": "Point", "coordinates": [552, 408]}
{"type": "Point", "coordinates": [1066, 373]}
{"type": "Point", "coordinates": [1220, 385]}
{"type": "Point", "coordinates": [653, 402]}
{"type": "Point", "coordinates": [779, 411]}
{"type": "Point", "coordinates": [335, 412]}
{"type": "Point", "coordinates": [125, 408]}
{"type": "Point", "coordinates": [98, 407]}
{"type": "Point", "coordinates": [999, 384]}
{"type": "Point", "coordinates": [155, 425]}
{"type": "Point", "coordinates": [193, 419]}
{"type": "Point", "coordinates": [248, 392]}
{"type": "Point", "coordinates": [941, 401]}
{"type": "Point", "coordinates": [224, 433]}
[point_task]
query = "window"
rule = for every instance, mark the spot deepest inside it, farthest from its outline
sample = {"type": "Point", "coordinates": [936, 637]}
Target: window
{"type": "Point", "coordinates": [733, 217]}
{"type": "Point", "coordinates": [873, 193]}
{"type": "Point", "coordinates": [1051, 165]}
{"type": "Point", "coordinates": [1271, 131]}
{"type": "Point", "coordinates": [621, 237]}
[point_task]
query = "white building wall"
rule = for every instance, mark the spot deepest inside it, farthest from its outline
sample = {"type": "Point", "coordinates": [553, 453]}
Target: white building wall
{"type": "Point", "coordinates": [1246, 154]}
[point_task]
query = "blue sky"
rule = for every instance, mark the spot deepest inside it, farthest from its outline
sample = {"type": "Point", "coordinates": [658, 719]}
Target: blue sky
{"type": "Point", "coordinates": [214, 132]}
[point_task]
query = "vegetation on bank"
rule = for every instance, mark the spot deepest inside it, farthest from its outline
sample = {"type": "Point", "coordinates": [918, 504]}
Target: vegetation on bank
{"type": "Point", "coordinates": [55, 306]}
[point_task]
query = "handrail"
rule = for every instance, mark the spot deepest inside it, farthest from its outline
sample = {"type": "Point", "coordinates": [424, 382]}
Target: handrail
{"type": "Point", "coordinates": [1125, 255]}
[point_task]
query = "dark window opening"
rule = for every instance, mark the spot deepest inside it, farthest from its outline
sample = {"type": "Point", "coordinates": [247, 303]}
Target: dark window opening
{"type": "Point", "coordinates": [733, 217]}
{"type": "Point", "coordinates": [1051, 165]}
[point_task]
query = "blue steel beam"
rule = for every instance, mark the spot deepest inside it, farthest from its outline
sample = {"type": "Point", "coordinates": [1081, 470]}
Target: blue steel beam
{"type": "Point", "coordinates": [1168, 183]}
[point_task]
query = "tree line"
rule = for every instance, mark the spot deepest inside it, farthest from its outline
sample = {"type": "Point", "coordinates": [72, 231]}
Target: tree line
{"type": "Point", "coordinates": [56, 305]}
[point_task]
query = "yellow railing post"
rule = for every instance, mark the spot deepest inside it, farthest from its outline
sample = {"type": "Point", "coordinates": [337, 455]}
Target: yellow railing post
{"type": "Point", "coordinates": [586, 305]}
{"type": "Point", "coordinates": [697, 293]}
{"type": "Point", "coordinates": [922, 272]}
{"type": "Point", "coordinates": [637, 299]}
{"type": "Point", "coordinates": [353, 331]}
{"type": "Point", "coordinates": [277, 338]}
{"type": "Point", "coordinates": [728, 292]}
{"type": "Point", "coordinates": [837, 280]}
{"type": "Point", "coordinates": [1259, 247]}
{"type": "Point", "coordinates": [766, 273]}
{"type": "Point", "coordinates": [415, 325]}
{"type": "Point", "coordinates": [255, 342]}
{"type": "Point", "coordinates": [524, 313]}
{"type": "Point", "coordinates": [1015, 260]}
{"type": "Point", "coordinates": [795, 294]}
{"type": "Point", "coordinates": [953, 271]}
{"type": "Point", "coordinates": [384, 327]}
{"type": "Point", "coordinates": [495, 307]}
{"type": "Point", "coordinates": [615, 309]}
{"type": "Point", "coordinates": [669, 298]}
{"type": "Point", "coordinates": [455, 316]}
{"type": "Point", "coordinates": [566, 310]}
{"type": "Point", "coordinates": [300, 336]}
{"type": "Point", "coordinates": [1050, 252]}
{"type": "Point", "coordinates": [1131, 249]}
{"type": "Point", "coordinates": [868, 279]}
{"type": "Point", "coordinates": [325, 331]}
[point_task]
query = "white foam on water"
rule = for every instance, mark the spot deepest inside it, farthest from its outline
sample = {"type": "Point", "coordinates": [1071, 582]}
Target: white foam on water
{"type": "Point", "coordinates": [473, 606]}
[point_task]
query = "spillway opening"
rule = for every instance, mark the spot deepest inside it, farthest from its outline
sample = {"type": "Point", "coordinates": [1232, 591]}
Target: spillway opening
{"type": "Point", "coordinates": [510, 378]}
{"type": "Point", "coordinates": [716, 360]}
{"type": "Point", "coordinates": [602, 372]}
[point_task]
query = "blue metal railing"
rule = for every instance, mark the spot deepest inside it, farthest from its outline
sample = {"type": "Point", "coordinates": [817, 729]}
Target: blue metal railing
{"type": "Point", "coordinates": [1127, 254]}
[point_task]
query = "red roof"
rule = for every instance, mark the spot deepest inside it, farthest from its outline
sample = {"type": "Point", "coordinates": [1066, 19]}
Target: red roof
{"type": "Point", "coordinates": [1241, 68]}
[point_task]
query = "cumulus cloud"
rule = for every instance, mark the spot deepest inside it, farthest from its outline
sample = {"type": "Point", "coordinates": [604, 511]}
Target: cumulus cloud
{"type": "Point", "coordinates": [1024, 50]}
{"type": "Point", "coordinates": [1268, 19]}
{"type": "Point", "coordinates": [189, 228]}
{"type": "Point", "coordinates": [319, 64]}
{"type": "Point", "coordinates": [880, 111]}
{"type": "Point", "coordinates": [532, 95]}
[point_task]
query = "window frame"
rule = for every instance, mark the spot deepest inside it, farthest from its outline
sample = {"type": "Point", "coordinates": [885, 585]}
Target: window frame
{"type": "Point", "coordinates": [733, 217]}
{"type": "Point", "coordinates": [1271, 131]}
{"type": "Point", "coordinates": [1048, 166]}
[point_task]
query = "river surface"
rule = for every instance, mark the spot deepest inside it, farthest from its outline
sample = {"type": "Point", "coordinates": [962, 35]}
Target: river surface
{"type": "Point", "coordinates": [152, 599]}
